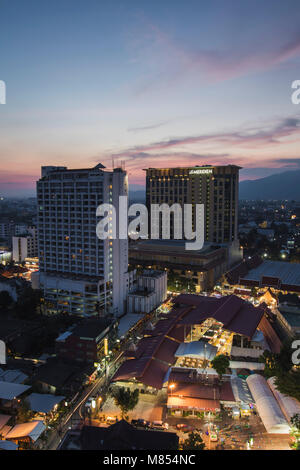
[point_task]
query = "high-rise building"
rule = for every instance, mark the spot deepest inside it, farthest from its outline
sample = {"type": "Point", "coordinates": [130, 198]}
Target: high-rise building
{"type": "Point", "coordinates": [79, 273]}
{"type": "Point", "coordinates": [214, 186]}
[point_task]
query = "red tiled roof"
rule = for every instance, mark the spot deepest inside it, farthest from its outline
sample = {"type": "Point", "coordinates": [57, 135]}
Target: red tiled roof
{"type": "Point", "coordinates": [193, 403]}
{"type": "Point", "coordinates": [155, 374]}
{"type": "Point", "coordinates": [234, 313]}
{"type": "Point", "coordinates": [167, 350]}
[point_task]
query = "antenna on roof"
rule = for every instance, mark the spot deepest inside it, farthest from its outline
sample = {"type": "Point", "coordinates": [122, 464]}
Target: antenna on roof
{"type": "Point", "coordinates": [112, 162]}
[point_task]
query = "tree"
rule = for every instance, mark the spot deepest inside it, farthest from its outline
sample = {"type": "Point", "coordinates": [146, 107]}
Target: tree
{"type": "Point", "coordinates": [289, 383]}
{"type": "Point", "coordinates": [24, 412]}
{"type": "Point", "coordinates": [5, 299]}
{"type": "Point", "coordinates": [193, 442]}
{"type": "Point", "coordinates": [125, 399]}
{"type": "Point", "coordinates": [295, 430]}
{"type": "Point", "coordinates": [220, 364]}
{"type": "Point", "coordinates": [28, 302]}
{"type": "Point", "coordinates": [277, 365]}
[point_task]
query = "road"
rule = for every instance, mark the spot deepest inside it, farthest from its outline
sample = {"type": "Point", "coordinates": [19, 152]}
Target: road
{"type": "Point", "coordinates": [76, 413]}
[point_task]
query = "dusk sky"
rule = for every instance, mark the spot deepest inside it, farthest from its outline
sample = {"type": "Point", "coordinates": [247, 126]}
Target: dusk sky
{"type": "Point", "coordinates": [152, 83]}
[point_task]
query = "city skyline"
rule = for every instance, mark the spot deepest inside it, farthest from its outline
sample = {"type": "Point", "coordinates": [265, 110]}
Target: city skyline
{"type": "Point", "coordinates": [150, 84]}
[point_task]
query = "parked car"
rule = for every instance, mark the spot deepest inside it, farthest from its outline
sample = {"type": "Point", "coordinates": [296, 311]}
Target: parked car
{"type": "Point", "coordinates": [140, 423]}
{"type": "Point", "coordinates": [89, 402]}
{"type": "Point", "coordinates": [181, 426]}
{"type": "Point", "coordinates": [111, 419]}
{"type": "Point", "coordinates": [159, 425]}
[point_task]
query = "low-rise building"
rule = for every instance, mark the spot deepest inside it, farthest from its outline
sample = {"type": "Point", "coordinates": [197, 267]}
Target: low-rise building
{"type": "Point", "coordinates": [86, 342]}
{"type": "Point", "coordinates": [149, 292]}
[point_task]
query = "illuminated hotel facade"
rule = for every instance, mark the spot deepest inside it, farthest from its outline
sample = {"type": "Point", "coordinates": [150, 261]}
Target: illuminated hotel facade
{"type": "Point", "coordinates": [214, 186]}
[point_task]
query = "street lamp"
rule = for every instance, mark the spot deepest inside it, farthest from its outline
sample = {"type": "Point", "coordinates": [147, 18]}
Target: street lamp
{"type": "Point", "coordinates": [171, 387]}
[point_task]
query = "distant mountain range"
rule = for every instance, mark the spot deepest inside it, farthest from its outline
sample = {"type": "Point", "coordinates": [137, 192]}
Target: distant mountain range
{"type": "Point", "coordinates": [280, 186]}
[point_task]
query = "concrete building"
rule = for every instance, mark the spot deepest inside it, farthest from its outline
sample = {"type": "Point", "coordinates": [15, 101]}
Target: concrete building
{"type": "Point", "coordinates": [25, 246]}
{"type": "Point", "coordinates": [214, 186]}
{"type": "Point", "coordinates": [87, 342]}
{"type": "Point", "coordinates": [149, 293]}
{"type": "Point", "coordinates": [201, 268]}
{"type": "Point", "coordinates": [79, 273]}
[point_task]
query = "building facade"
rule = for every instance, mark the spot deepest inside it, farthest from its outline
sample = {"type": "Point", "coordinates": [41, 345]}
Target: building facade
{"type": "Point", "coordinates": [214, 186]}
{"type": "Point", "coordinates": [80, 273]}
{"type": "Point", "coordinates": [25, 246]}
{"type": "Point", "coordinates": [149, 293]}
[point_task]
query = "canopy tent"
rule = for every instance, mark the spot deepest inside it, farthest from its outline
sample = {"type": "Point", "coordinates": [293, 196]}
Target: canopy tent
{"type": "Point", "coordinates": [197, 350]}
{"type": "Point", "coordinates": [9, 391]}
{"type": "Point", "coordinates": [43, 402]}
{"type": "Point", "coordinates": [32, 429]}
{"type": "Point", "coordinates": [267, 407]}
{"type": "Point", "coordinates": [289, 406]}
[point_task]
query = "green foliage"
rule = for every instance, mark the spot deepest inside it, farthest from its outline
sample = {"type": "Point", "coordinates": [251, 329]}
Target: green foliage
{"type": "Point", "coordinates": [193, 442]}
{"type": "Point", "coordinates": [28, 302]}
{"type": "Point", "coordinates": [220, 364]}
{"type": "Point", "coordinates": [278, 364]}
{"type": "Point", "coordinates": [289, 383]}
{"type": "Point", "coordinates": [295, 421]}
{"type": "Point", "coordinates": [125, 399]}
{"type": "Point", "coordinates": [24, 412]}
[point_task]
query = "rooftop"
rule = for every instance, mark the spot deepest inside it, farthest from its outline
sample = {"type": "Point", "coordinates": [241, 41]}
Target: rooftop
{"type": "Point", "coordinates": [9, 391]}
{"type": "Point", "coordinates": [287, 273]}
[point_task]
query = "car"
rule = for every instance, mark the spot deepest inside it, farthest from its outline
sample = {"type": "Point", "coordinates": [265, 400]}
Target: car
{"type": "Point", "coordinates": [159, 425]}
{"type": "Point", "coordinates": [88, 403]}
{"type": "Point", "coordinates": [111, 419]}
{"type": "Point", "coordinates": [140, 423]}
{"type": "Point", "coordinates": [181, 426]}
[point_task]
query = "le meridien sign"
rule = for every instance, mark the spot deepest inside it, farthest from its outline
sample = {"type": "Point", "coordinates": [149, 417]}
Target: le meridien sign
{"type": "Point", "coordinates": [201, 171]}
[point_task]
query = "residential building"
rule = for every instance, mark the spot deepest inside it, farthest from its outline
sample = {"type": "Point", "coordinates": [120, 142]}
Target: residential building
{"type": "Point", "coordinates": [79, 273]}
{"type": "Point", "coordinates": [86, 342]}
{"type": "Point", "coordinates": [25, 246]}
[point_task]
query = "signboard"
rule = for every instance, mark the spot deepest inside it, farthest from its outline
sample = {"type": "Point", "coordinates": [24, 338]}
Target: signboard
{"type": "Point", "coordinates": [105, 346]}
{"type": "Point", "coordinates": [201, 171]}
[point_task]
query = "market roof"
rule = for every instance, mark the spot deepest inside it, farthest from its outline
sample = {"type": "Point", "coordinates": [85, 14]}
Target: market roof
{"type": "Point", "coordinates": [8, 445]}
{"type": "Point", "coordinates": [193, 403]}
{"type": "Point", "coordinates": [9, 391]}
{"type": "Point", "coordinates": [162, 342]}
{"type": "Point", "coordinates": [197, 349]}
{"type": "Point", "coordinates": [127, 322]}
{"type": "Point", "coordinates": [234, 313]}
{"type": "Point", "coordinates": [267, 406]}
{"type": "Point", "coordinates": [287, 273]}
{"type": "Point", "coordinates": [32, 429]}
{"type": "Point", "coordinates": [43, 403]}
{"type": "Point", "coordinates": [13, 376]}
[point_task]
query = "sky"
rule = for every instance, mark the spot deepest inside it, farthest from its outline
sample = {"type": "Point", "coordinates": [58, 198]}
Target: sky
{"type": "Point", "coordinates": [148, 83]}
